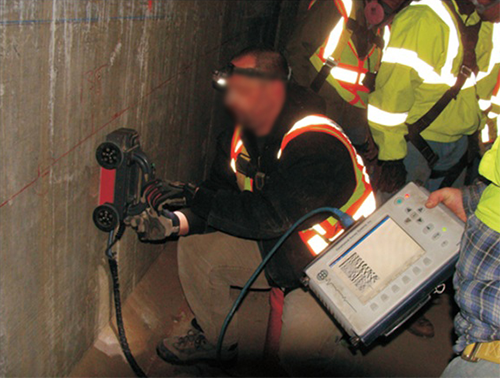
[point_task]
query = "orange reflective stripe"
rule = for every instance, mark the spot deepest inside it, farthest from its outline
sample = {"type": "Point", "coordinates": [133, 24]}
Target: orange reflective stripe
{"type": "Point", "coordinates": [319, 236]}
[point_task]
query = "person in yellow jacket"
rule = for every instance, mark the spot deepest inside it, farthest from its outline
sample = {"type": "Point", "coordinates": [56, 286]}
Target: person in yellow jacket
{"type": "Point", "coordinates": [477, 278]}
{"type": "Point", "coordinates": [432, 43]}
{"type": "Point", "coordinates": [491, 106]}
{"type": "Point", "coordinates": [335, 50]}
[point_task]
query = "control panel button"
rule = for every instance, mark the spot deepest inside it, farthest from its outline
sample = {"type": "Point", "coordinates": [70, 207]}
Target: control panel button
{"type": "Point", "coordinates": [414, 215]}
{"type": "Point", "coordinates": [427, 261]}
{"type": "Point", "coordinates": [436, 236]}
{"type": "Point", "coordinates": [398, 201]}
{"type": "Point", "coordinates": [408, 210]}
{"type": "Point", "coordinates": [374, 306]}
{"type": "Point", "coordinates": [395, 288]}
{"type": "Point", "coordinates": [445, 243]}
{"type": "Point", "coordinates": [421, 209]}
{"type": "Point", "coordinates": [406, 280]}
{"type": "Point", "coordinates": [420, 221]}
{"type": "Point", "coordinates": [416, 270]}
{"type": "Point", "coordinates": [407, 220]}
{"type": "Point", "coordinates": [428, 228]}
{"type": "Point", "coordinates": [384, 297]}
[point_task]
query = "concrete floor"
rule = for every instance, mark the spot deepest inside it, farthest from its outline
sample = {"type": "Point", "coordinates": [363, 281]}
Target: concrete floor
{"type": "Point", "coordinates": [157, 308]}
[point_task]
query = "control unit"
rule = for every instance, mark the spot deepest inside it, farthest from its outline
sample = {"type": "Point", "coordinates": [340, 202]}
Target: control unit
{"type": "Point", "coordinates": [385, 267]}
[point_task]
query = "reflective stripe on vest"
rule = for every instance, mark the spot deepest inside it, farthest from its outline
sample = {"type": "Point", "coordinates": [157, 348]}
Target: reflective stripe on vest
{"type": "Point", "coordinates": [349, 75]}
{"type": "Point", "coordinates": [362, 202]}
{"type": "Point", "coordinates": [425, 71]}
{"type": "Point", "coordinates": [237, 149]}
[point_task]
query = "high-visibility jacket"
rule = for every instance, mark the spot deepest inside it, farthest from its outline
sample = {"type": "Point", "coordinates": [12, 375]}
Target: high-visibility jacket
{"type": "Point", "coordinates": [347, 77]}
{"type": "Point", "coordinates": [360, 204]}
{"type": "Point", "coordinates": [488, 209]}
{"type": "Point", "coordinates": [420, 63]}
{"type": "Point", "coordinates": [490, 98]}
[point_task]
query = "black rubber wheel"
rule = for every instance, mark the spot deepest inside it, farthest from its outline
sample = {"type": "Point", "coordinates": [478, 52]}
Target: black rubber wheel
{"type": "Point", "coordinates": [109, 155]}
{"type": "Point", "coordinates": [106, 217]}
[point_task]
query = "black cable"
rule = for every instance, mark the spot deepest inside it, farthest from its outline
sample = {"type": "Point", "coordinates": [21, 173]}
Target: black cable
{"type": "Point", "coordinates": [345, 220]}
{"type": "Point", "coordinates": [113, 267]}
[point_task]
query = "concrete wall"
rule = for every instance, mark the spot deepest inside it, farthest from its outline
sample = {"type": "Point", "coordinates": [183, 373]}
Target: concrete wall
{"type": "Point", "coordinates": [71, 72]}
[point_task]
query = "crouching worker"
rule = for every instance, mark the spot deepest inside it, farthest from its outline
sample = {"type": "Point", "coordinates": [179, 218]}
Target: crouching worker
{"type": "Point", "coordinates": [280, 161]}
{"type": "Point", "coordinates": [477, 278]}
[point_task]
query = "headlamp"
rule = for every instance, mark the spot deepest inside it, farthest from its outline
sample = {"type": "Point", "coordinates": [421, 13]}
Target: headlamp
{"type": "Point", "coordinates": [481, 8]}
{"type": "Point", "coordinates": [220, 76]}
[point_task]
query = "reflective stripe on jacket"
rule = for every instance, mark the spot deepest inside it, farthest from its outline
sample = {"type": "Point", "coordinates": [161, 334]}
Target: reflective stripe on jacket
{"type": "Point", "coordinates": [348, 75]}
{"type": "Point", "coordinates": [420, 63]}
{"type": "Point", "coordinates": [361, 203]}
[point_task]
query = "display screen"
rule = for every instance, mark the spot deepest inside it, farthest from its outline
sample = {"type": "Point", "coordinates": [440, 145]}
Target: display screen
{"type": "Point", "coordinates": [377, 259]}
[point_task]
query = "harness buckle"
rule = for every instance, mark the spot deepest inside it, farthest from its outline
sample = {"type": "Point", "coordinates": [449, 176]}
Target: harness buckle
{"type": "Point", "coordinates": [260, 180]}
{"type": "Point", "coordinates": [471, 357]}
{"type": "Point", "coordinates": [466, 71]}
{"type": "Point", "coordinates": [330, 62]}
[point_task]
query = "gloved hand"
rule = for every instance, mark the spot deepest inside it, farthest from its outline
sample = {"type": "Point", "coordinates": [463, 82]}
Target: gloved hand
{"type": "Point", "coordinates": [151, 226]}
{"type": "Point", "coordinates": [392, 176]}
{"type": "Point", "coordinates": [161, 195]}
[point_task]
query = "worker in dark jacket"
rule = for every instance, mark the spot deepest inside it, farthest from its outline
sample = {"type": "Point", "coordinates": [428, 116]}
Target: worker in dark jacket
{"type": "Point", "coordinates": [282, 160]}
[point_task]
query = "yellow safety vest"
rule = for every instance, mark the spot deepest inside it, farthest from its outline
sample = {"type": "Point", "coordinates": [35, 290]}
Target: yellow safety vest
{"type": "Point", "coordinates": [488, 209]}
{"type": "Point", "coordinates": [347, 77]}
{"type": "Point", "coordinates": [360, 204]}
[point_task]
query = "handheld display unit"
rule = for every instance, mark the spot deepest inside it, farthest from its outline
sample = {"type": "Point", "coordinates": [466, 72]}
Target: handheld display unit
{"type": "Point", "coordinates": [386, 267]}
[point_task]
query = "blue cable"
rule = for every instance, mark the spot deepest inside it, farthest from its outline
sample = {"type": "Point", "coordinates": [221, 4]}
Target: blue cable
{"type": "Point", "coordinates": [346, 222]}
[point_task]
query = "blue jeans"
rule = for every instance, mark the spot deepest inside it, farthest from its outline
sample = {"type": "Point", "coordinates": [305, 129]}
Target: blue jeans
{"type": "Point", "coordinates": [481, 369]}
{"type": "Point", "coordinates": [449, 154]}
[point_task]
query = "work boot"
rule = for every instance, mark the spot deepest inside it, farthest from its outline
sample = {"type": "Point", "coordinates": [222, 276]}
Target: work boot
{"type": "Point", "coordinates": [193, 348]}
{"type": "Point", "coordinates": [422, 327]}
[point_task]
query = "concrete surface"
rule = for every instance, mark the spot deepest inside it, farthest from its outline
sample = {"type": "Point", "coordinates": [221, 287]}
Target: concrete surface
{"type": "Point", "coordinates": [157, 309]}
{"type": "Point", "coordinates": [70, 73]}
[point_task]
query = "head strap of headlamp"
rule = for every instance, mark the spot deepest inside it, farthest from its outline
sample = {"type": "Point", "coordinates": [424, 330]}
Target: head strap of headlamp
{"type": "Point", "coordinates": [230, 70]}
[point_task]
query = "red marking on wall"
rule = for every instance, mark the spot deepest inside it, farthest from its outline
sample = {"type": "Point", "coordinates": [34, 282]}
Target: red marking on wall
{"type": "Point", "coordinates": [150, 5]}
{"type": "Point", "coordinates": [114, 117]}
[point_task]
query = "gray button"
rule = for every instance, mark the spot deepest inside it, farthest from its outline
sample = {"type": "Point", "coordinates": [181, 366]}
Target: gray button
{"type": "Point", "coordinates": [444, 244]}
{"type": "Point", "coordinates": [420, 221]}
{"type": "Point", "coordinates": [413, 215]}
{"type": "Point", "coordinates": [428, 228]}
{"type": "Point", "coordinates": [436, 236]}
{"type": "Point", "coordinates": [416, 270]}
{"type": "Point", "coordinates": [407, 220]}
{"type": "Point", "coordinates": [374, 306]}
{"type": "Point", "coordinates": [427, 261]}
{"type": "Point", "coordinates": [384, 297]}
{"type": "Point", "coordinates": [395, 288]}
{"type": "Point", "coordinates": [408, 210]}
{"type": "Point", "coordinates": [421, 209]}
{"type": "Point", "coordinates": [406, 280]}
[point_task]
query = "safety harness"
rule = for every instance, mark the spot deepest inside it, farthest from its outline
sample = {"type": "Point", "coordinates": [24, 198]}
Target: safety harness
{"type": "Point", "coordinates": [469, 37]}
{"type": "Point", "coordinates": [350, 77]}
{"type": "Point", "coordinates": [361, 203]}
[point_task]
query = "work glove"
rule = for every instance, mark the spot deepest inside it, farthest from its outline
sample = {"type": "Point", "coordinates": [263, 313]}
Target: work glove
{"type": "Point", "coordinates": [392, 176]}
{"type": "Point", "coordinates": [153, 226]}
{"type": "Point", "coordinates": [368, 150]}
{"type": "Point", "coordinates": [159, 194]}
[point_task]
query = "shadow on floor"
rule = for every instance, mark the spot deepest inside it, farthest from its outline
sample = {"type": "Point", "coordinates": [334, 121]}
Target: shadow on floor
{"type": "Point", "coordinates": [157, 308]}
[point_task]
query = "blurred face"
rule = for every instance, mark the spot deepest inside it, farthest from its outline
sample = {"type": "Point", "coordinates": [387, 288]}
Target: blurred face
{"type": "Point", "coordinates": [254, 102]}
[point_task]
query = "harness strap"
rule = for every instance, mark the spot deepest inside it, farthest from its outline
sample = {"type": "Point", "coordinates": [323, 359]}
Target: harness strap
{"type": "Point", "coordinates": [469, 65]}
{"type": "Point", "coordinates": [333, 60]}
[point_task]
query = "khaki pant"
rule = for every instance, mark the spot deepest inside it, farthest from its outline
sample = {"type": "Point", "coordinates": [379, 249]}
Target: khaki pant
{"type": "Point", "coordinates": [210, 264]}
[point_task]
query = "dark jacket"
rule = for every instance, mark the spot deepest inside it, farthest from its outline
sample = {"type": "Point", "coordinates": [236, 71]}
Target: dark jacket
{"type": "Point", "coordinates": [315, 170]}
